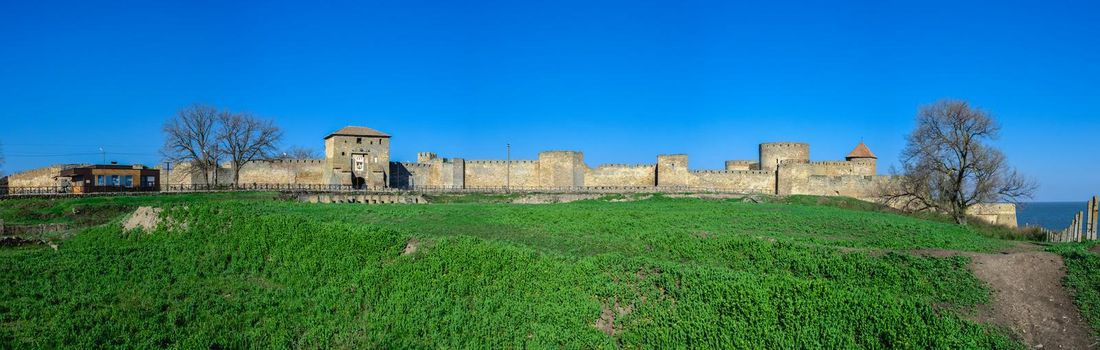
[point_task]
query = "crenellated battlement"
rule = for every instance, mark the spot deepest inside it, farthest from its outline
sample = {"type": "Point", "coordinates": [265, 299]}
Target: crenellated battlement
{"type": "Point", "coordinates": [745, 172]}
{"type": "Point", "coordinates": [502, 161]}
{"type": "Point", "coordinates": [616, 165]}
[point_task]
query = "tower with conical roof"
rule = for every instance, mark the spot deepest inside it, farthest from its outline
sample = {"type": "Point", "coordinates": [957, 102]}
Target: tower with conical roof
{"type": "Point", "coordinates": [864, 161]}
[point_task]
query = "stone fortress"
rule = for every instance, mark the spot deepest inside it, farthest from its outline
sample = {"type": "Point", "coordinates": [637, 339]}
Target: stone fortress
{"type": "Point", "coordinates": [359, 157]}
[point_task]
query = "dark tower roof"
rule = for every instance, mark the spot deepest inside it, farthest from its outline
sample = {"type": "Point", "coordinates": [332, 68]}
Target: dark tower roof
{"type": "Point", "coordinates": [861, 151]}
{"type": "Point", "coordinates": [357, 131]}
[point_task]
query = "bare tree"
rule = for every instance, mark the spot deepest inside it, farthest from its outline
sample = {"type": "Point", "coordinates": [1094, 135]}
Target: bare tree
{"type": "Point", "coordinates": [244, 138]}
{"type": "Point", "coordinates": [297, 152]}
{"type": "Point", "coordinates": [191, 136]}
{"type": "Point", "coordinates": [948, 166]}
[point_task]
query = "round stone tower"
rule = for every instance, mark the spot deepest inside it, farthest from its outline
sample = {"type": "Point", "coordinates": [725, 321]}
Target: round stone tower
{"type": "Point", "coordinates": [772, 153]}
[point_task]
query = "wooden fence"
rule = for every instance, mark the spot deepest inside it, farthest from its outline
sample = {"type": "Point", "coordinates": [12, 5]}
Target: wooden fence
{"type": "Point", "coordinates": [1083, 227]}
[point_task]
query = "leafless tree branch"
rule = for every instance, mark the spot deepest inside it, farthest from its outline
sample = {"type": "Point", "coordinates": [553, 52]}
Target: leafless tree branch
{"type": "Point", "coordinates": [948, 166]}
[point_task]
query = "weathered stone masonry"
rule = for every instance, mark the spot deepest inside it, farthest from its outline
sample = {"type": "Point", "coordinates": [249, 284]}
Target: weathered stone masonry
{"type": "Point", "coordinates": [360, 157]}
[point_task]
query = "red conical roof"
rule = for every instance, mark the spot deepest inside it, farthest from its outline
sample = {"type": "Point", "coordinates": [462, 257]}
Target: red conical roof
{"type": "Point", "coordinates": [861, 151]}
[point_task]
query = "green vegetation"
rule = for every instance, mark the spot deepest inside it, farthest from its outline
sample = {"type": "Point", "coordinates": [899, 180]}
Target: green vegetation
{"type": "Point", "coordinates": [1082, 263]}
{"type": "Point", "coordinates": [655, 273]}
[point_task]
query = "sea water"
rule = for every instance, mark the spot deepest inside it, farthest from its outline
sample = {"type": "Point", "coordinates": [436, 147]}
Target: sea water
{"type": "Point", "coordinates": [1054, 216]}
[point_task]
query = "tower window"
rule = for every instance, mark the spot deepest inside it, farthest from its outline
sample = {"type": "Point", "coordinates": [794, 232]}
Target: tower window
{"type": "Point", "coordinates": [358, 140]}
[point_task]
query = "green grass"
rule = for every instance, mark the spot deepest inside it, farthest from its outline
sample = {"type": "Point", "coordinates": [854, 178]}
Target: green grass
{"type": "Point", "coordinates": [259, 273]}
{"type": "Point", "coordinates": [1082, 278]}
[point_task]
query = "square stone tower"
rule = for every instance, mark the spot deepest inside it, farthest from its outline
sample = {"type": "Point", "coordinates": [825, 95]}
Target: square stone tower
{"type": "Point", "coordinates": [358, 156]}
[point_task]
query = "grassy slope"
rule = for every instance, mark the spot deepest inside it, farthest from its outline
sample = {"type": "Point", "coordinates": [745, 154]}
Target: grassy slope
{"type": "Point", "coordinates": [691, 272]}
{"type": "Point", "coordinates": [1083, 278]}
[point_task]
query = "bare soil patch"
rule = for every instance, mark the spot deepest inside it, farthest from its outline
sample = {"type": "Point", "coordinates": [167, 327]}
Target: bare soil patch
{"type": "Point", "coordinates": [146, 218]}
{"type": "Point", "coordinates": [411, 246]}
{"type": "Point", "coordinates": [609, 313]}
{"type": "Point", "coordinates": [1095, 249]}
{"type": "Point", "coordinates": [1028, 297]}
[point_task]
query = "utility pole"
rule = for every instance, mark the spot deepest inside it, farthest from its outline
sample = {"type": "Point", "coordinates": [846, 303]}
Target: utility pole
{"type": "Point", "coordinates": [167, 180]}
{"type": "Point", "coordinates": [104, 155]}
{"type": "Point", "coordinates": [508, 166]}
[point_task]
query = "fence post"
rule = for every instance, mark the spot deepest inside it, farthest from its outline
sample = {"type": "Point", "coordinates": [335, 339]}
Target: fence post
{"type": "Point", "coordinates": [1088, 220]}
{"type": "Point", "coordinates": [1095, 216]}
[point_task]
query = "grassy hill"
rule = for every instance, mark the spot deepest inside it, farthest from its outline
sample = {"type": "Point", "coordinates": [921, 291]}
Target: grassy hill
{"type": "Point", "coordinates": [233, 272]}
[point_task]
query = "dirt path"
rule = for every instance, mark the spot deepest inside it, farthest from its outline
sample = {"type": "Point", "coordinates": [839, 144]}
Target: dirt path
{"type": "Point", "coordinates": [1028, 297]}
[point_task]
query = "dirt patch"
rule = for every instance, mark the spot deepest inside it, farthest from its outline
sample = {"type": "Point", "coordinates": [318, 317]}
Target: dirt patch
{"type": "Point", "coordinates": [551, 198]}
{"type": "Point", "coordinates": [146, 218]}
{"type": "Point", "coordinates": [1095, 249]}
{"type": "Point", "coordinates": [1028, 297]}
{"type": "Point", "coordinates": [411, 246]}
{"type": "Point", "coordinates": [609, 312]}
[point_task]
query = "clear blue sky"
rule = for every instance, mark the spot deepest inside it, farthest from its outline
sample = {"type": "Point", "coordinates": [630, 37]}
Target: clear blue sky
{"type": "Point", "coordinates": [621, 81]}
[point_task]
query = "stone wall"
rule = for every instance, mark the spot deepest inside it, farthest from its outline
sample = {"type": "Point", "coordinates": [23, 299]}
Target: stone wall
{"type": "Point", "coordinates": [621, 175]}
{"type": "Point", "coordinates": [771, 154]}
{"type": "Point", "coordinates": [995, 213]}
{"type": "Point", "coordinates": [494, 173]}
{"type": "Point", "coordinates": [290, 171]}
{"type": "Point", "coordinates": [741, 181]}
{"type": "Point", "coordinates": [856, 186]}
{"type": "Point", "coordinates": [408, 175]}
{"type": "Point", "coordinates": [560, 169]}
{"type": "Point", "coordinates": [41, 177]}
{"type": "Point", "coordinates": [672, 170]}
{"type": "Point", "coordinates": [742, 165]}
{"type": "Point", "coordinates": [855, 167]}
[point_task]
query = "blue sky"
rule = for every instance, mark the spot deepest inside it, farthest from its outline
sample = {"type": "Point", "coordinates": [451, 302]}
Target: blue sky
{"type": "Point", "coordinates": [621, 81]}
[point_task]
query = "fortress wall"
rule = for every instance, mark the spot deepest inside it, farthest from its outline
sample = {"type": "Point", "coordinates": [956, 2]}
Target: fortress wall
{"type": "Point", "coordinates": [493, 173]}
{"type": "Point", "coordinates": [792, 177]}
{"type": "Point", "coordinates": [405, 175]}
{"type": "Point", "coordinates": [620, 175]}
{"type": "Point", "coordinates": [743, 181]}
{"type": "Point", "coordinates": [856, 186]}
{"type": "Point", "coordinates": [742, 165]}
{"type": "Point", "coordinates": [561, 169]}
{"type": "Point", "coordinates": [771, 154]}
{"type": "Point", "coordinates": [865, 166]}
{"type": "Point", "coordinates": [451, 173]}
{"type": "Point", "coordinates": [281, 172]}
{"type": "Point", "coordinates": [41, 177]}
{"type": "Point", "coordinates": [859, 167]}
{"type": "Point", "coordinates": [995, 213]}
{"type": "Point", "coordinates": [672, 170]}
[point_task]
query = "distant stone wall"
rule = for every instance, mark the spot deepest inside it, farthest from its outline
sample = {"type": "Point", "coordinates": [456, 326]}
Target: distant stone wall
{"type": "Point", "coordinates": [408, 175]}
{"type": "Point", "coordinates": [856, 167]}
{"type": "Point", "coordinates": [995, 213]}
{"type": "Point", "coordinates": [290, 171]}
{"type": "Point", "coordinates": [672, 170]}
{"type": "Point", "coordinates": [743, 181]}
{"type": "Point", "coordinates": [856, 186]}
{"type": "Point", "coordinates": [41, 177]}
{"type": "Point", "coordinates": [495, 173]}
{"type": "Point", "coordinates": [620, 175]}
{"type": "Point", "coordinates": [560, 169]}
{"type": "Point", "coordinates": [742, 165]}
{"type": "Point", "coordinates": [771, 154]}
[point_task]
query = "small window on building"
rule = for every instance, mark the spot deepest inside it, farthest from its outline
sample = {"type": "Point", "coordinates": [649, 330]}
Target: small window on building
{"type": "Point", "coordinates": [358, 140]}
{"type": "Point", "coordinates": [100, 180]}
{"type": "Point", "coordinates": [115, 181]}
{"type": "Point", "coordinates": [128, 181]}
{"type": "Point", "coordinates": [343, 154]}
